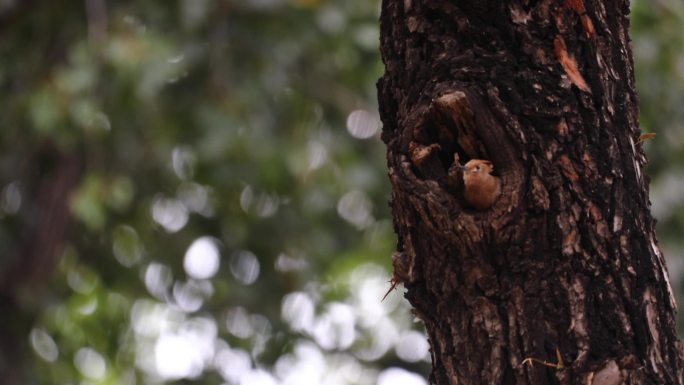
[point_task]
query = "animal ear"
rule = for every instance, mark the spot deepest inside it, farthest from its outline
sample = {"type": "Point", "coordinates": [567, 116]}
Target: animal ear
{"type": "Point", "coordinates": [489, 164]}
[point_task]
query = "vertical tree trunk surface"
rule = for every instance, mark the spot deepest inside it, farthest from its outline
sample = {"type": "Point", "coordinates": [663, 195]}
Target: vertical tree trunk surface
{"type": "Point", "coordinates": [561, 281]}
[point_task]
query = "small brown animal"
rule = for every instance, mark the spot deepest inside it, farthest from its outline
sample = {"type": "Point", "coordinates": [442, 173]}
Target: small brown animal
{"type": "Point", "coordinates": [482, 188]}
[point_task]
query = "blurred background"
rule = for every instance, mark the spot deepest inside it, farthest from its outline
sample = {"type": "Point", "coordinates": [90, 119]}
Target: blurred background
{"type": "Point", "coordinates": [195, 191]}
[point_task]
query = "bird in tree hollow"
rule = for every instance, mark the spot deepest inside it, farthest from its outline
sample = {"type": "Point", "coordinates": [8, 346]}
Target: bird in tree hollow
{"type": "Point", "coordinates": [481, 188]}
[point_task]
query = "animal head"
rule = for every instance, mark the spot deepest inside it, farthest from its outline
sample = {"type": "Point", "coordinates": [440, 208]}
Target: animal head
{"type": "Point", "coordinates": [478, 167]}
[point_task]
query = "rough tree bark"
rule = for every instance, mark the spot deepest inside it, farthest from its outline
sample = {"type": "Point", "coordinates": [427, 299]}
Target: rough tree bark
{"type": "Point", "coordinates": [565, 267]}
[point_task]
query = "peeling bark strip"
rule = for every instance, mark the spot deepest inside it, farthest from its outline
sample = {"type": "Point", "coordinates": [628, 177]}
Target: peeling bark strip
{"type": "Point", "coordinates": [564, 267]}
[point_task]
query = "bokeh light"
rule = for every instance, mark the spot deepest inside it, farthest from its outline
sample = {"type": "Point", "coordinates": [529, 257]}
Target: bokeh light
{"type": "Point", "coordinates": [363, 124]}
{"type": "Point", "coordinates": [202, 259]}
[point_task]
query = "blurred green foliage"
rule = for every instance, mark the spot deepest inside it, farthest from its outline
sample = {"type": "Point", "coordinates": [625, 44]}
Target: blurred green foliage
{"type": "Point", "coordinates": [230, 222]}
{"type": "Point", "coordinates": [658, 48]}
{"type": "Point", "coordinates": [231, 219]}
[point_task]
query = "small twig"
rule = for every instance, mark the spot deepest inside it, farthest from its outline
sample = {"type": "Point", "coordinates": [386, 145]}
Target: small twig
{"type": "Point", "coordinates": [559, 365]}
{"type": "Point", "coordinates": [394, 283]}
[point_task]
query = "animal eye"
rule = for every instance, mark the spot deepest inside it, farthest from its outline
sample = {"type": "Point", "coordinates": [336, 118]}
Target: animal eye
{"type": "Point", "coordinates": [477, 168]}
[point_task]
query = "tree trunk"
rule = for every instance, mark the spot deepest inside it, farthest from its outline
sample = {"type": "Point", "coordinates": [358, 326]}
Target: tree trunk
{"type": "Point", "coordinates": [42, 226]}
{"type": "Point", "coordinates": [561, 281]}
